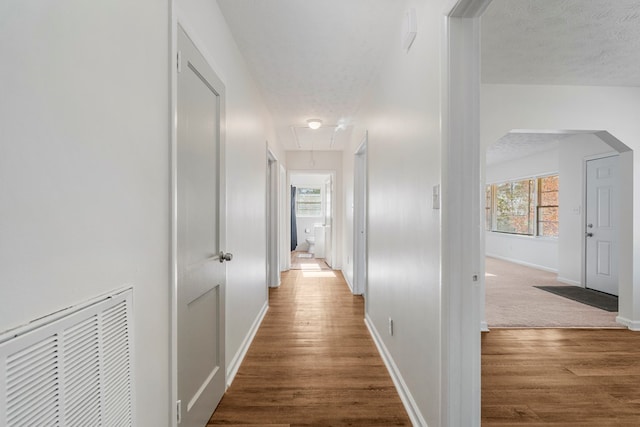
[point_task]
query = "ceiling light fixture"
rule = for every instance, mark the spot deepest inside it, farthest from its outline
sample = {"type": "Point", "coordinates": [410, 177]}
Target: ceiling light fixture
{"type": "Point", "coordinates": [314, 123]}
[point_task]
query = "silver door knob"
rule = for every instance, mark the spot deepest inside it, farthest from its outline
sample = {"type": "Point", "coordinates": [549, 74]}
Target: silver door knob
{"type": "Point", "coordinates": [225, 257]}
{"type": "Point", "coordinates": [590, 225]}
{"type": "Point", "coordinates": [589, 234]}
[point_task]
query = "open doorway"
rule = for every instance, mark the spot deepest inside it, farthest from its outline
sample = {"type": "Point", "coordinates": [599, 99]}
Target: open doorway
{"type": "Point", "coordinates": [312, 217]}
{"type": "Point", "coordinates": [538, 242]}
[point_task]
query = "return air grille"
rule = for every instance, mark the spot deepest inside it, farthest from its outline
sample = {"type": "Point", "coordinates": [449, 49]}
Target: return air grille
{"type": "Point", "coordinates": [74, 371]}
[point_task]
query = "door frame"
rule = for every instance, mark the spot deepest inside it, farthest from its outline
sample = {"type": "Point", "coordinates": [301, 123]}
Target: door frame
{"type": "Point", "coordinates": [272, 227]}
{"type": "Point", "coordinates": [360, 219]}
{"type": "Point", "coordinates": [333, 174]}
{"type": "Point", "coordinates": [585, 161]}
{"type": "Point", "coordinates": [462, 241]}
{"type": "Point", "coordinates": [179, 20]}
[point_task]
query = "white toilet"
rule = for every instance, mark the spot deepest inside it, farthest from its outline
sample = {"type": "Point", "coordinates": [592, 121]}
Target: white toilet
{"type": "Point", "coordinates": [311, 241]}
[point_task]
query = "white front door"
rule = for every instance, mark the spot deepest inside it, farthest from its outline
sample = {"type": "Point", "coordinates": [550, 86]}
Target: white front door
{"type": "Point", "coordinates": [601, 230]}
{"type": "Point", "coordinates": [200, 237]}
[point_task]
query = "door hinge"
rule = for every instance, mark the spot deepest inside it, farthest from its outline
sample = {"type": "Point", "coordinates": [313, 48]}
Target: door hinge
{"type": "Point", "coordinates": [179, 61]}
{"type": "Point", "coordinates": [179, 411]}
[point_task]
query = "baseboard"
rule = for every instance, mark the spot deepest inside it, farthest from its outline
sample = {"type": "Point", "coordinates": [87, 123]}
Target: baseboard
{"type": "Point", "coordinates": [633, 325]}
{"type": "Point", "coordinates": [346, 279]}
{"type": "Point", "coordinates": [484, 327]}
{"type": "Point", "coordinates": [405, 395]}
{"type": "Point", "coordinates": [569, 281]}
{"type": "Point", "coordinates": [526, 264]}
{"type": "Point", "coordinates": [235, 363]}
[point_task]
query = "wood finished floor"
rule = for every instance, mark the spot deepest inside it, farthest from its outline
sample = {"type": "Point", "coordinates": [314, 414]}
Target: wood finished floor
{"type": "Point", "coordinates": [561, 377]}
{"type": "Point", "coordinates": [312, 362]}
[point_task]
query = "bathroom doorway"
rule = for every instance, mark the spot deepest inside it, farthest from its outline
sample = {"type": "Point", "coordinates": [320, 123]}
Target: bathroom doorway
{"type": "Point", "coordinates": [312, 214]}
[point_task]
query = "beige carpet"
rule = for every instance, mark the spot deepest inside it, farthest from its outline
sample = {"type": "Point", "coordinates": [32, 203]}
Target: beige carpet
{"type": "Point", "coordinates": [512, 301]}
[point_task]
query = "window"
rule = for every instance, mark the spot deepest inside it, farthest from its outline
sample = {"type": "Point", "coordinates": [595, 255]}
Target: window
{"type": "Point", "coordinates": [527, 207]}
{"type": "Point", "coordinates": [548, 206]}
{"type": "Point", "coordinates": [308, 201]}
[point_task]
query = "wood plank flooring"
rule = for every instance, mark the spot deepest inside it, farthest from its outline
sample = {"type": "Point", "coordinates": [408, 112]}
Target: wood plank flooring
{"type": "Point", "coordinates": [561, 377]}
{"type": "Point", "coordinates": [312, 362]}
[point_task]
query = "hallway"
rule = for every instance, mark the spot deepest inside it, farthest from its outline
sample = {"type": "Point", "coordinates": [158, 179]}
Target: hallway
{"type": "Point", "coordinates": [312, 362]}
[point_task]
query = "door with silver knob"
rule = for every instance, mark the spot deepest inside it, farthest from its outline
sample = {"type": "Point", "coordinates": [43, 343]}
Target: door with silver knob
{"type": "Point", "coordinates": [201, 274]}
{"type": "Point", "coordinates": [601, 226]}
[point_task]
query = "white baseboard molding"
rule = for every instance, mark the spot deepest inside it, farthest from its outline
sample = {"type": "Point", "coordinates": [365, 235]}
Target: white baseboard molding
{"type": "Point", "coordinates": [276, 285]}
{"type": "Point", "coordinates": [525, 263]}
{"type": "Point", "coordinates": [346, 279]}
{"type": "Point", "coordinates": [569, 281]}
{"type": "Point", "coordinates": [234, 365]}
{"type": "Point", "coordinates": [405, 395]}
{"type": "Point", "coordinates": [633, 325]}
{"type": "Point", "coordinates": [484, 327]}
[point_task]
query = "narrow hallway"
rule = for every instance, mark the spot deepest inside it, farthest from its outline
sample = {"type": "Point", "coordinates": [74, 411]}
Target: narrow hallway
{"type": "Point", "coordinates": [312, 362]}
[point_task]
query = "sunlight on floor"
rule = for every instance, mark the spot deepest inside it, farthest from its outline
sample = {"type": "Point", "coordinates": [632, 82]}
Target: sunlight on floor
{"type": "Point", "coordinates": [489, 275]}
{"type": "Point", "coordinates": [310, 267]}
{"type": "Point", "coordinates": [318, 273]}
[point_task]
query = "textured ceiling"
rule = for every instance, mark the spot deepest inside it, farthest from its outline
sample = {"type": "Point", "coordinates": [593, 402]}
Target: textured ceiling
{"type": "Point", "coordinates": [317, 59]}
{"type": "Point", "coordinates": [515, 145]}
{"type": "Point", "coordinates": [562, 42]}
{"type": "Point", "coordinates": [313, 59]}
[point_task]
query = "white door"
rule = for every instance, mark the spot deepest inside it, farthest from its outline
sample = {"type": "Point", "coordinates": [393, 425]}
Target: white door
{"type": "Point", "coordinates": [200, 237]}
{"type": "Point", "coordinates": [360, 221]}
{"type": "Point", "coordinates": [601, 231]}
{"type": "Point", "coordinates": [273, 262]}
{"type": "Point", "coordinates": [328, 222]}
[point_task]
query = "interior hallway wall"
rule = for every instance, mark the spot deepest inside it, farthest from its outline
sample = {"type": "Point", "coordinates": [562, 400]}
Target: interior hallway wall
{"type": "Point", "coordinates": [613, 109]}
{"type": "Point", "coordinates": [84, 169]}
{"type": "Point", "coordinates": [248, 128]}
{"type": "Point", "coordinates": [402, 117]}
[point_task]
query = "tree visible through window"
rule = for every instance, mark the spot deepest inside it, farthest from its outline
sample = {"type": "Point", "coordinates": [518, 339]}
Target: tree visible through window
{"type": "Point", "coordinates": [548, 206]}
{"type": "Point", "coordinates": [308, 202]}
{"type": "Point", "coordinates": [514, 207]}
{"type": "Point", "coordinates": [528, 207]}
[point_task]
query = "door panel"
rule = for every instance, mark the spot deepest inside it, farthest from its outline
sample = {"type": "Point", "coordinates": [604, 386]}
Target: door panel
{"type": "Point", "coordinates": [601, 231]}
{"type": "Point", "coordinates": [201, 275]}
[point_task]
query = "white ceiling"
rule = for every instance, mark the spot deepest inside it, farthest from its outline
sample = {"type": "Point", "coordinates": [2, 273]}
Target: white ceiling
{"type": "Point", "coordinates": [313, 59]}
{"type": "Point", "coordinates": [316, 59]}
{"type": "Point", "coordinates": [562, 42]}
{"type": "Point", "coordinates": [515, 145]}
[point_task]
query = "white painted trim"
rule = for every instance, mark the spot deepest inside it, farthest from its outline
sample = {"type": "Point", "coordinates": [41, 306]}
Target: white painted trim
{"type": "Point", "coordinates": [631, 324]}
{"type": "Point", "coordinates": [234, 365]}
{"type": "Point", "coordinates": [173, 248]}
{"type": "Point", "coordinates": [360, 218]}
{"type": "Point", "coordinates": [346, 279]}
{"type": "Point", "coordinates": [272, 227]}
{"type": "Point", "coordinates": [484, 326]}
{"type": "Point", "coordinates": [569, 281]}
{"type": "Point", "coordinates": [405, 395]}
{"type": "Point", "coordinates": [461, 230]}
{"type": "Point", "coordinates": [524, 263]}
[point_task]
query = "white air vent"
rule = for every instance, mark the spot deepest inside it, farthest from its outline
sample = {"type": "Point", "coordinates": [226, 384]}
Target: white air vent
{"type": "Point", "coordinates": [72, 371]}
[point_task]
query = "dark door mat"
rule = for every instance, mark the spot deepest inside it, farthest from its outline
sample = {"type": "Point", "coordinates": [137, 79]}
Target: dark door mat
{"type": "Point", "coordinates": [585, 296]}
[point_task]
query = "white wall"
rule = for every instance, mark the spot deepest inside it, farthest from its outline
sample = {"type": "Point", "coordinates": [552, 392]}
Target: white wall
{"type": "Point", "coordinates": [84, 169]}
{"type": "Point", "coordinates": [612, 109]}
{"type": "Point", "coordinates": [573, 152]}
{"type": "Point", "coordinates": [248, 128]}
{"type": "Point", "coordinates": [324, 161]}
{"type": "Point", "coordinates": [402, 116]}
